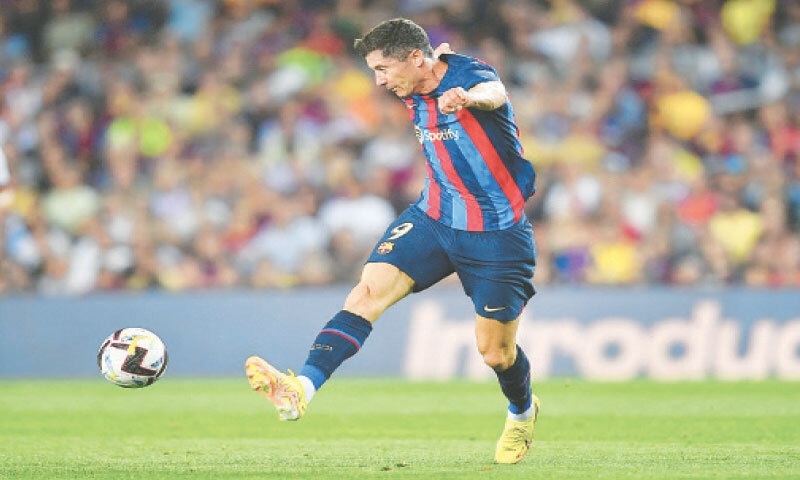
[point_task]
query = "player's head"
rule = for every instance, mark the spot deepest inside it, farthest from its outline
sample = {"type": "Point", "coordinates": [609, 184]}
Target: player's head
{"type": "Point", "coordinates": [395, 38]}
{"type": "Point", "coordinates": [396, 50]}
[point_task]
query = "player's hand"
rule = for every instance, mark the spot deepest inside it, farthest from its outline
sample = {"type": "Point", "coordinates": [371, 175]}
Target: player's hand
{"type": "Point", "coordinates": [453, 100]}
{"type": "Point", "coordinates": [442, 48]}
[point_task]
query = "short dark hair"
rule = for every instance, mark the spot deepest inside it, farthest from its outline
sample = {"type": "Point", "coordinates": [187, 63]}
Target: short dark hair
{"type": "Point", "coordinates": [395, 38]}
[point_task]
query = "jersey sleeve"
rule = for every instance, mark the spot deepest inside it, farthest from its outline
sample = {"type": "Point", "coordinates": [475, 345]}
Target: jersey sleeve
{"type": "Point", "coordinates": [481, 72]}
{"type": "Point", "coordinates": [470, 71]}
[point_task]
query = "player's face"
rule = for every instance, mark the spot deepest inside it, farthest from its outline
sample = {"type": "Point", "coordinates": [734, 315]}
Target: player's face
{"type": "Point", "coordinates": [401, 77]}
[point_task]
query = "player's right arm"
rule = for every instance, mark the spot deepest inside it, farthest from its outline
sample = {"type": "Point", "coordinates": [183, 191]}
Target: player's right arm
{"type": "Point", "coordinates": [487, 96]}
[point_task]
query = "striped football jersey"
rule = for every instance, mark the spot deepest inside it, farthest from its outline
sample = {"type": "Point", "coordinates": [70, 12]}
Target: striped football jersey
{"type": "Point", "coordinates": [477, 178]}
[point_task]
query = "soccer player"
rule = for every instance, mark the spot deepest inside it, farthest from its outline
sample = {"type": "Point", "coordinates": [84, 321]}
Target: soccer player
{"type": "Point", "coordinates": [469, 220]}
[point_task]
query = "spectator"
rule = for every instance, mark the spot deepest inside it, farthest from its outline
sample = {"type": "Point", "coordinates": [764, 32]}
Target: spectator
{"type": "Point", "coordinates": [68, 28]}
{"type": "Point", "coordinates": [735, 229]}
{"type": "Point", "coordinates": [191, 144]}
{"type": "Point", "coordinates": [70, 203]}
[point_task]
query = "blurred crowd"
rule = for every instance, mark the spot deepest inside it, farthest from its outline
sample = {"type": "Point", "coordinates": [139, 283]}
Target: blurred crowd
{"type": "Point", "coordinates": [193, 144]}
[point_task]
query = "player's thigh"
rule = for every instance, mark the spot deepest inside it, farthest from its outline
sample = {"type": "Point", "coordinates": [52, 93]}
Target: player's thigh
{"type": "Point", "coordinates": [413, 244]}
{"type": "Point", "coordinates": [496, 270]}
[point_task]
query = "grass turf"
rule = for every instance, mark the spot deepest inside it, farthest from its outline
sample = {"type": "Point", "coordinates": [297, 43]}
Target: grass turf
{"type": "Point", "coordinates": [367, 429]}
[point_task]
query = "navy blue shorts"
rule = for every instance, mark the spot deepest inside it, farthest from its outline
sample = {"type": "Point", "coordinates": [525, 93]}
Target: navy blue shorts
{"type": "Point", "coordinates": [495, 267]}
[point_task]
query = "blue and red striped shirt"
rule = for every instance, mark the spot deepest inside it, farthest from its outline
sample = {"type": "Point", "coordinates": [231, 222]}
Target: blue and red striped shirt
{"type": "Point", "coordinates": [477, 178]}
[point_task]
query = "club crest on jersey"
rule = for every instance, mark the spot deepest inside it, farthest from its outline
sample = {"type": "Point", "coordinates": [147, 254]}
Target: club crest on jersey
{"type": "Point", "coordinates": [385, 248]}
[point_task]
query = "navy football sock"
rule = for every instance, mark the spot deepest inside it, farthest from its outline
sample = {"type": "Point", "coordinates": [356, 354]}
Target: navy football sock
{"type": "Point", "coordinates": [515, 382]}
{"type": "Point", "coordinates": [338, 340]}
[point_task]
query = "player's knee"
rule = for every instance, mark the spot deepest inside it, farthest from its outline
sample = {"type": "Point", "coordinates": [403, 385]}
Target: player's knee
{"type": "Point", "coordinates": [381, 285]}
{"type": "Point", "coordinates": [363, 300]}
{"type": "Point", "coordinates": [498, 359]}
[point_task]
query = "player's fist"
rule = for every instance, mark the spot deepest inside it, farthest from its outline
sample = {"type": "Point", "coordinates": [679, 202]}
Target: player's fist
{"type": "Point", "coordinates": [442, 48]}
{"type": "Point", "coordinates": [453, 100]}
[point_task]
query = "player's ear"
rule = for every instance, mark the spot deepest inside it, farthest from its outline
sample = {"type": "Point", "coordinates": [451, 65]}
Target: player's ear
{"type": "Point", "coordinates": [417, 57]}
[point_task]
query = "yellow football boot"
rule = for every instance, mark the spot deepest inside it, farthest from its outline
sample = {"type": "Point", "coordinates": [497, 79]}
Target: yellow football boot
{"type": "Point", "coordinates": [284, 390]}
{"type": "Point", "coordinates": [517, 437]}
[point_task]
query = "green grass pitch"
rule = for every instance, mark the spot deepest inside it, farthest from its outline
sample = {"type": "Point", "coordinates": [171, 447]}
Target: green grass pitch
{"type": "Point", "coordinates": [389, 429]}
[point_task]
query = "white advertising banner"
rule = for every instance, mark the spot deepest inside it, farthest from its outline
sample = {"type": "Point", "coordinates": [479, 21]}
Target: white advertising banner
{"type": "Point", "coordinates": [596, 334]}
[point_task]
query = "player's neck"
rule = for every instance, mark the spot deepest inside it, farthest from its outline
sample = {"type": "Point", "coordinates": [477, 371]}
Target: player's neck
{"type": "Point", "coordinates": [432, 76]}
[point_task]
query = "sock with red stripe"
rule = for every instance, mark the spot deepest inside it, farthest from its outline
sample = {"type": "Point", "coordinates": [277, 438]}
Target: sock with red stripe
{"type": "Point", "coordinates": [340, 339]}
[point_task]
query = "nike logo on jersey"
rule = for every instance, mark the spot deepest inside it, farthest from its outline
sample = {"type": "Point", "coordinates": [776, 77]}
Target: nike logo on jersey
{"type": "Point", "coordinates": [489, 309]}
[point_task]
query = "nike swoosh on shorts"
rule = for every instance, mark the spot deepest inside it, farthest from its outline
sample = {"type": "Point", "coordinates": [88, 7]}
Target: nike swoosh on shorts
{"type": "Point", "coordinates": [496, 309]}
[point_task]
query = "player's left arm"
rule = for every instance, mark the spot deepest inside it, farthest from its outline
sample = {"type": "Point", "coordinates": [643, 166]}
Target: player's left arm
{"type": "Point", "coordinates": [483, 96]}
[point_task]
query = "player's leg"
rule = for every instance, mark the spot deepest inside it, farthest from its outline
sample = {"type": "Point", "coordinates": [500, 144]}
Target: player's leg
{"type": "Point", "coordinates": [381, 285]}
{"type": "Point", "coordinates": [408, 258]}
{"type": "Point", "coordinates": [496, 270]}
{"type": "Point", "coordinates": [497, 344]}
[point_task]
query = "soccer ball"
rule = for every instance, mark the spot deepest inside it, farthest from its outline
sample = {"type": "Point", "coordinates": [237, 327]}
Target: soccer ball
{"type": "Point", "coordinates": [132, 357]}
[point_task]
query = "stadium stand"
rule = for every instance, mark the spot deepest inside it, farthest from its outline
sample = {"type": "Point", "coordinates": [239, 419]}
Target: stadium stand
{"type": "Point", "coordinates": [191, 144]}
